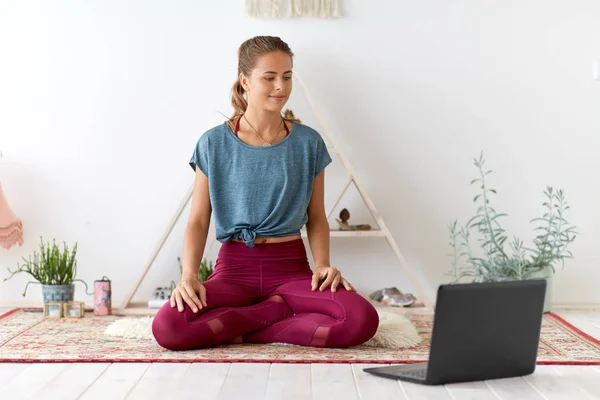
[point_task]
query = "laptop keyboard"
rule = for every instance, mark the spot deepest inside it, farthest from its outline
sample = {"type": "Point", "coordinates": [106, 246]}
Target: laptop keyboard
{"type": "Point", "coordinates": [420, 373]}
{"type": "Point", "coordinates": [417, 373]}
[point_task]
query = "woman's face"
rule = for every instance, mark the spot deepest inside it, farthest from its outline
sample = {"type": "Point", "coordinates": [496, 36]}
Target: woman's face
{"type": "Point", "coordinates": [270, 84]}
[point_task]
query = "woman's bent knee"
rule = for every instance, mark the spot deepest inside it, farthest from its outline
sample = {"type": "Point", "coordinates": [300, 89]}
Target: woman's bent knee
{"type": "Point", "coordinates": [367, 322]}
{"type": "Point", "coordinates": [362, 322]}
{"type": "Point", "coordinates": [167, 327]}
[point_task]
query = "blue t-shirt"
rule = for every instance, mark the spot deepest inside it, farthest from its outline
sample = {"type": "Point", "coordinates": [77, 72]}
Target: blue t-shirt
{"type": "Point", "coordinates": [260, 191]}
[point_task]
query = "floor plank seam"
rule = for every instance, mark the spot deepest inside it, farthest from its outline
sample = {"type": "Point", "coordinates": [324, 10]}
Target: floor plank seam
{"type": "Point", "coordinates": [535, 388]}
{"type": "Point", "coordinates": [137, 382]}
{"type": "Point", "coordinates": [449, 392]}
{"type": "Point", "coordinates": [269, 379]}
{"type": "Point", "coordinates": [93, 382]}
{"type": "Point", "coordinates": [354, 380]}
{"type": "Point", "coordinates": [402, 388]}
{"type": "Point", "coordinates": [41, 390]}
{"type": "Point", "coordinates": [224, 379]}
{"type": "Point", "coordinates": [492, 390]}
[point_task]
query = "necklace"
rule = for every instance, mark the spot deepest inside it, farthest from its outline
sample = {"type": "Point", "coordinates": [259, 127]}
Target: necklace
{"type": "Point", "coordinates": [266, 144]}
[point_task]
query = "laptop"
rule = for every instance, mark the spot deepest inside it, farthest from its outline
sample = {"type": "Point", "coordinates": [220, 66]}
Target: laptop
{"type": "Point", "coordinates": [480, 331]}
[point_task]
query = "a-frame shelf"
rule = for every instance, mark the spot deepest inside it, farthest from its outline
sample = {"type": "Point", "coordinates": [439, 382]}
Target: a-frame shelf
{"type": "Point", "coordinates": [131, 308]}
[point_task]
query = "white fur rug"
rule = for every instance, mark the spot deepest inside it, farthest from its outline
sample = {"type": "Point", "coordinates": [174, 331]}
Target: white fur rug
{"type": "Point", "coordinates": [395, 331]}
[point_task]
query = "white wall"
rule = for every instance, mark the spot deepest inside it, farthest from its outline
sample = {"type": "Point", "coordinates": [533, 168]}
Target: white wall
{"type": "Point", "coordinates": [101, 104]}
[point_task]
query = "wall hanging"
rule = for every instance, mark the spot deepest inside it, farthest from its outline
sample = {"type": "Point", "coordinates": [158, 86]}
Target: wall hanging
{"type": "Point", "coordinates": [294, 8]}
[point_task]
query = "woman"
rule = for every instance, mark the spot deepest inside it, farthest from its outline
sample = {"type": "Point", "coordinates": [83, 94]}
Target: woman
{"type": "Point", "coordinates": [262, 177]}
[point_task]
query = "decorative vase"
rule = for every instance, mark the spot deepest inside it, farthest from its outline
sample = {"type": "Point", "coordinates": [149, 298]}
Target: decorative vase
{"type": "Point", "coordinates": [58, 293]}
{"type": "Point", "coordinates": [548, 275]}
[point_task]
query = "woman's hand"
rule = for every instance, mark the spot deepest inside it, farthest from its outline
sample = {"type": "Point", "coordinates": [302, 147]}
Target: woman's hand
{"type": "Point", "coordinates": [191, 291]}
{"type": "Point", "coordinates": [331, 276]}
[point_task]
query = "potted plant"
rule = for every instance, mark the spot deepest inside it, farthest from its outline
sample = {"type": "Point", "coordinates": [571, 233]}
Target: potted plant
{"type": "Point", "coordinates": [204, 271]}
{"type": "Point", "coordinates": [497, 263]}
{"type": "Point", "coordinates": [54, 269]}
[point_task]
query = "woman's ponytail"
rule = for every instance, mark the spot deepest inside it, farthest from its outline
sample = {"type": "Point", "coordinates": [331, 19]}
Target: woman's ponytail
{"type": "Point", "coordinates": [238, 101]}
{"type": "Point", "coordinates": [288, 115]}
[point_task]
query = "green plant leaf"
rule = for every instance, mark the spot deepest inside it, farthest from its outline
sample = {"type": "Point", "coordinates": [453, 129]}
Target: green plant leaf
{"type": "Point", "coordinates": [553, 235]}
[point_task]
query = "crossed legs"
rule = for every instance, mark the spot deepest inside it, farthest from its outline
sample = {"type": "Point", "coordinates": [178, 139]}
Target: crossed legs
{"type": "Point", "coordinates": [292, 313]}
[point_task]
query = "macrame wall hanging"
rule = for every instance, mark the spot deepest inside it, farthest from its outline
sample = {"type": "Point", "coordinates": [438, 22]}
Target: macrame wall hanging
{"type": "Point", "coordinates": [294, 8]}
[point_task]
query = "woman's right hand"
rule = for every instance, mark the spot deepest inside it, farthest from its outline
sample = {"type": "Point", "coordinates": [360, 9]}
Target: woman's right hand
{"type": "Point", "coordinates": [191, 291]}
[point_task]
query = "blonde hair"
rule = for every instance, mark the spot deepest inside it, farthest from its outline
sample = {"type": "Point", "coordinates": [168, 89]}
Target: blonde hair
{"type": "Point", "coordinates": [248, 53]}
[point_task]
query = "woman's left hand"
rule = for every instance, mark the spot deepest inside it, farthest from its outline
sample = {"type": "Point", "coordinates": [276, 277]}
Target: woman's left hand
{"type": "Point", "coordinates": [331, 276]}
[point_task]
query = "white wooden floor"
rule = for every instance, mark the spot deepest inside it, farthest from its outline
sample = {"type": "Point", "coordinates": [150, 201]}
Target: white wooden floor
{"type": "Point", "coordinates": [247, 381]}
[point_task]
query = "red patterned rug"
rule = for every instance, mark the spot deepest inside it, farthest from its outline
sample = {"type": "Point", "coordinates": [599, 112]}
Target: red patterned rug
{"type": "Point", "coordinates": [26, 336]}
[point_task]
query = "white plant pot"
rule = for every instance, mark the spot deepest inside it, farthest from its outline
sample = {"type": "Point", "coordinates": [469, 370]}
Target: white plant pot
{"type": "Point", "coordinates": [548, 275]}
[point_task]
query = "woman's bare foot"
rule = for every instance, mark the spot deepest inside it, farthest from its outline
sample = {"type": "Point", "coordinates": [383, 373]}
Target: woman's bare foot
{"type": "Point", "coordinates": [283, 311]}
{"type": "Point", "coordinates": [276, 298]}
{"type": "Point", "coordinates": [237, 340]}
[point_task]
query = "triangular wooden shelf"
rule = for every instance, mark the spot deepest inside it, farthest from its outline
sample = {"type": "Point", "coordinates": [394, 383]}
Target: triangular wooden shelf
{"type": "Point", "coordinates": [129, 308]}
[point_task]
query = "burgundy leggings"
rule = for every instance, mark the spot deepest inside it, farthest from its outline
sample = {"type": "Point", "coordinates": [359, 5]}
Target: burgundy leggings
{"type": "Point", "coordinates": [264, 294]}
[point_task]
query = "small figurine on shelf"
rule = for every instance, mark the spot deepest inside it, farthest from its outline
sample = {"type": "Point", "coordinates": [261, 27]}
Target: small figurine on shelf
{"type": "Point", "coordinates": [344, 226]}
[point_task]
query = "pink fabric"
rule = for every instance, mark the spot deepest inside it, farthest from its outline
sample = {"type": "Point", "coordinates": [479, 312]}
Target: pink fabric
{"type": "Point", "coordinates": [11, 227]}
{"type": "Point", "coordinates": [244, 297]}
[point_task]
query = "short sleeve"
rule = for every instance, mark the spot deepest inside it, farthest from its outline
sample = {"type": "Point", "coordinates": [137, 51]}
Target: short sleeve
{"type": "Point", "coordinates": [200, 155]}
{"type": "Point", "coordinates": [323, 157]}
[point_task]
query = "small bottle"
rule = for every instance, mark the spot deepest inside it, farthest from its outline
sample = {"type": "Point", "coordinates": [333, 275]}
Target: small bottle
{"type": "Point", "coordinates": [102, 297]}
